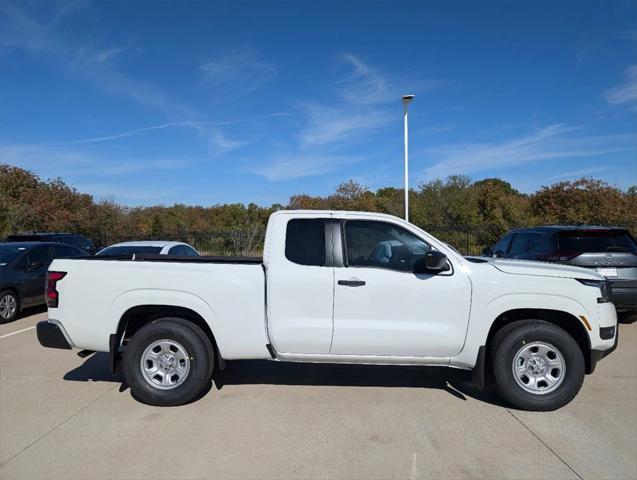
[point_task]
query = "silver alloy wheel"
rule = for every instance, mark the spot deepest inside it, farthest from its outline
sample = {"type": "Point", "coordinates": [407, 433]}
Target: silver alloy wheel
{"type": "Point", "coordinates": [165, 364]}
{"type": "Point", "coordinates": [8, 306]}
{"type": "Point", "coordinates": [539, 368]}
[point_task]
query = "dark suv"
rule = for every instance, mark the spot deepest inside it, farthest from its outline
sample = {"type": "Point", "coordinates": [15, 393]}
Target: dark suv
{"type": "Point", "coordinates": [78, 241]}
{"type": "Point", "coordinates": [611, 251]}
{"type": "Point", "coordinates": [23, 267]}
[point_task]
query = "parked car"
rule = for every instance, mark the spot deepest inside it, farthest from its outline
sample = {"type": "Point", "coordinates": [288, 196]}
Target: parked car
{"type": "Point", "coordinates": [335, 287]}
{"type": "Point", "coordinates": [158, 247]}
{"type": "Point", "coordinates": [610, 251]}
{"type": "Point", "coordinates": [78, 241]}
{"type": "Point", "coordinates": [23, 268]}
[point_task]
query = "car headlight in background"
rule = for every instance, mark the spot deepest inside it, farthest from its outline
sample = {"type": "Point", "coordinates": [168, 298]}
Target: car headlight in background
{"type": "Point", "coordinates": [603, 285]}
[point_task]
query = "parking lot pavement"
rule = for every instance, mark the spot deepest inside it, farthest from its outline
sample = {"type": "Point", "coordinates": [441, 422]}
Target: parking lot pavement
{"type": "Point", "coordinates": [66, 417]}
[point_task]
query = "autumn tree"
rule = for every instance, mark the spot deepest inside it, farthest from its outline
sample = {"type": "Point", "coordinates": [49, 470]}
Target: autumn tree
{"type": "Point", "coordinates": [582, 201]}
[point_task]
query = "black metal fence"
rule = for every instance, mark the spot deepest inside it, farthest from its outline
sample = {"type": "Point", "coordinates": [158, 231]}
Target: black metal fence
{"type": "Point", "coordinates": [237, 243]}
{"type": "Point", "coordinates": [467, 239]}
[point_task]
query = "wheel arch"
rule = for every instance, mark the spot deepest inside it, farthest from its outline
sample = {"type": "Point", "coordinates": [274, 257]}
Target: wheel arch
{"type": "Point", "coordinates": [14, 290]}
{"type": "Point", "coordinates": [567, 321]}
{"type": "Point", "coordinates": [136, 317]}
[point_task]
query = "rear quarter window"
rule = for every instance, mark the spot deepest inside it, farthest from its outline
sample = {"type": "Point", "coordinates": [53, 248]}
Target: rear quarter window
{"type": "Point", "coordinates": [305, 242]}
{"type": "Point", "coordinates": [596, 241]}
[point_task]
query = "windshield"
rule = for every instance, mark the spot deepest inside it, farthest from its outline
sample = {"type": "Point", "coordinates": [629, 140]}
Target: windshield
{"type": "Point", "coordinates": [8, 253]}
{"type": "Point", "coordinates": [597, 241]}
{"type": "Point", "coordinates": [128, 250]}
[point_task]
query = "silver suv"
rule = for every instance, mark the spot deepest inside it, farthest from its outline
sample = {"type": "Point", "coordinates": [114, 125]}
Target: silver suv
{"type": "Point", "coordinates": [612, 251]}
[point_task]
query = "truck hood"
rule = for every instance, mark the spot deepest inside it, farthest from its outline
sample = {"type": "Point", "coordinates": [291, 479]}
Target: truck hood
{"type": "Point", "coordinates": [543, 269]}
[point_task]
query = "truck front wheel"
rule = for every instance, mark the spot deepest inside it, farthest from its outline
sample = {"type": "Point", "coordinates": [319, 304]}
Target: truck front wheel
{"type": "Point", "coordinates": [536, 365]}
{"type": "Point", "coordinates": [168, 362]}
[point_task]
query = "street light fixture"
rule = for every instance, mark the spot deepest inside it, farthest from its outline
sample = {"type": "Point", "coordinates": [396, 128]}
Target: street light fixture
{"type": "Point", "coordinates": [406, 100]}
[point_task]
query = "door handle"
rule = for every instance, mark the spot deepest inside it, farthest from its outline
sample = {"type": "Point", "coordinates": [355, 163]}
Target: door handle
{"type": "Point", "coordinates": [352, 283]}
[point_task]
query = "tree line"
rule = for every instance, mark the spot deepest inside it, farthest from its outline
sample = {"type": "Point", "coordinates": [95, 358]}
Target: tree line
{"type": "Point", "coordinates": [29, 203]}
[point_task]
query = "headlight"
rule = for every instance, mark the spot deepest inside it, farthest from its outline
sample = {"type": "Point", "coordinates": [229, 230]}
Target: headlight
{"type": "Point", "coordinates": [603, 285]}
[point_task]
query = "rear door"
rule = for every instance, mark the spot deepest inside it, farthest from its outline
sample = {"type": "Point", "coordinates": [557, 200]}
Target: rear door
{"type": "Point", "coordinates": [300, 287]}
{"type": "Point", "coordinates": [34, 269]}
{"type": "Point", "coordinates": [502, 246]}
{"type": "Point", "coordinates": [67, 251]}
{"type": "Point", "coordinates": [519, 246]}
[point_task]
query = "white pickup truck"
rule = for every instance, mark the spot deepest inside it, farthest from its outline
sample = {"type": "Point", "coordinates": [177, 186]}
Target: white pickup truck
{"type": "Point", "coordinates": [335, 287]}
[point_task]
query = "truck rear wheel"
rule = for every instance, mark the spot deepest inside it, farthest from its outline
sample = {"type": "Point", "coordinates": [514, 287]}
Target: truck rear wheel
{"type": "Point", "coordinates": [536, 365]}
{"type": "Point", "coordinates": [168, 362]}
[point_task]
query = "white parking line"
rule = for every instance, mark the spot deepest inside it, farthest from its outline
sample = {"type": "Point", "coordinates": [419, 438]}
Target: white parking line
{"type": "Point", "coordinates": [19, 331]}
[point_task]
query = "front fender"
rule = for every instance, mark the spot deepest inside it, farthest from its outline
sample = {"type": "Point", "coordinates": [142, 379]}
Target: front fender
{"type": "Point", "coordinates": [482, 318]}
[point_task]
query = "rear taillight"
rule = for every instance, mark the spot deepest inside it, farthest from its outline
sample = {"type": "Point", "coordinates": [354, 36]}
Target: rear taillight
{"type": "Point", "coordinates": [557, 256]}
{"type": "Point", "coordinates": [52, 295]}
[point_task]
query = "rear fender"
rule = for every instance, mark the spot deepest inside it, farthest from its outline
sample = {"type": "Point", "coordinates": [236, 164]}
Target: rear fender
{"type": "Point", "coordinates": [172, 298]}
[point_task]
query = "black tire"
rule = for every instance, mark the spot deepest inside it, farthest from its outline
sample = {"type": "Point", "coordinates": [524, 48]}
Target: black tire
{"type": "Point", "coordinates": [514, 337]}
{"type": "Point", "coordinates": [12, 316]}
{"type": "Point", "coordinates": [628, 317]}
{"type": "Point", "coordinates": [198, 350]}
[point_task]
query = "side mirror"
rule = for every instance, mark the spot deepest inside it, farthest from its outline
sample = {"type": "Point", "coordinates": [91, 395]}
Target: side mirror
{"type": "Point", "coordinates": [498, 253]}
{"type": "Point", "coordinates": [432, 262]}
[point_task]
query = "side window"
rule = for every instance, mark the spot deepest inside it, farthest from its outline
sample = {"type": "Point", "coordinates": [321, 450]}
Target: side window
{"type": "Point", "coordinates": [191, 252]}
{"type": "Point", "coordinates": [176, 250]}
{"type": "Point", "coordinates": [81, 242]}
{"type": "Point", "coordinates": [67, 251]}
{"type": "Point", "coordinates": [503, 244]}
{"type": "Point", "coordinates": [382, 245]}
{"type": "Point", "coordinates": [539, 242]}
{"type": "Point", "coordinates": [39, 256]}
{"type": "Point", "coordinates": [305, 241]}
{"type": "Point", "coordinates": [519, 243]}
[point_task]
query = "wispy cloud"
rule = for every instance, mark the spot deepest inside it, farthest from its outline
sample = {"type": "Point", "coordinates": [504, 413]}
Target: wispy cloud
{"type": "Point", "coordinates": [223, 144]}
{"type": "Point", "coordinates": [97, 65]}
{"type": "Point", "coordinates": [362, 96]}
{"type": "Point", "coordinates": [625, 93]}
{"type": "Point", "coordinates": [106, 55]}
{"type": "Point", "coordinates": [579, 173]}
{"type": "Point", "coordinates": [329, 124]}
{"type": "Point", "coordinates": [202, 124]}
{"type": "Point", "coordinates": [365, 100]}
{"type": "Point", "coordinates": [290, 167]}
{"type": "Point", "coordinates": [554, 142]}
{"type": "Point", "coordinates": [57, 161]}
{"type": "Point", "coordinates": [239, 72]}
{"type": "Point", "coordinates": [40, 35]}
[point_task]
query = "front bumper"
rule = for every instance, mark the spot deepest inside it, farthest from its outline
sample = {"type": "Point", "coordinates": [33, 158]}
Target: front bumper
{"type": "Point", "coordinates": [597, 355]}
{"type": "Point", "coordinates": [52, 335]}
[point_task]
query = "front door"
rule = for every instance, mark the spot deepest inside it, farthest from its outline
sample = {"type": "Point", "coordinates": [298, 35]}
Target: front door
{"type": "Point", "coordinates": [382, 308]}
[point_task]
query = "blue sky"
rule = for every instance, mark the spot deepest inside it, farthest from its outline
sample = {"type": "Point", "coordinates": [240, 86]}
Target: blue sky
{"type": "Point", "coordinates": [219, 102]}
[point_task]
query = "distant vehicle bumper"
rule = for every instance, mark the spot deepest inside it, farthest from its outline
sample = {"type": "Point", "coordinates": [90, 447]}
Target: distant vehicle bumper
{"type": "Point", "coordinates": [624, 294]}
{"type": "Point", "coordinates": [53, 335]}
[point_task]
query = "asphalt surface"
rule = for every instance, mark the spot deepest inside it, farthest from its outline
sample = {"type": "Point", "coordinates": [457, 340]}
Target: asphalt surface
{"type": "Point", "coordinates": [66, 417]}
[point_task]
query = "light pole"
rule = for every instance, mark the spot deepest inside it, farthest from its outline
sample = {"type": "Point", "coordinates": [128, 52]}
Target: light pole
{"type": "Point", "coordinates": [406, 100]}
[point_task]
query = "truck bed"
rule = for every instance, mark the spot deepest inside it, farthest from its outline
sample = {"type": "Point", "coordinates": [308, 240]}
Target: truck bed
{"type": "Point", "coordinates": [154, 257]}
{"type": "Point", "coordinates": [227, 292]}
